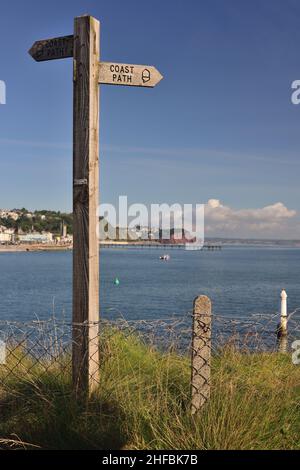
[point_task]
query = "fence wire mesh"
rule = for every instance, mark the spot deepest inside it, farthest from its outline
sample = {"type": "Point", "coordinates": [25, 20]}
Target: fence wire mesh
{"type": "Point", "coordinates": [39, 349]}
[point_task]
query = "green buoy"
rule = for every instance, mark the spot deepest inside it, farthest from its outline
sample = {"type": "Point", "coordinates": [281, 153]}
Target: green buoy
{"type": "Point", "coordinates": [116, 281]}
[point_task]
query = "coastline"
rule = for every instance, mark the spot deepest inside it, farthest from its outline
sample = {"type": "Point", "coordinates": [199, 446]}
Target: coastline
{"type": "Point", "coordinates": [223, 243]}
{"type": "Point", "coordinates": [35, 247]}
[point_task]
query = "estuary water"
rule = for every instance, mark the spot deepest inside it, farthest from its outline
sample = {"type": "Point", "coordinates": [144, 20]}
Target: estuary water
{"type": "Point", "coordinates": [239, 280]}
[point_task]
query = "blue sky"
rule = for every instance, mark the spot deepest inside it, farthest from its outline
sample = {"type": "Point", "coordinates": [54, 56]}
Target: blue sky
{"type": "Point", "coordinates": [220, 125]}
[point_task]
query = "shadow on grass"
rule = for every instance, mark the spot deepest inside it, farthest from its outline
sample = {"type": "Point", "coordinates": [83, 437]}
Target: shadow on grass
{"type": "Point", "coordinates": [42, 414]}
{"type": "Point", "coordinates": [137, 385]}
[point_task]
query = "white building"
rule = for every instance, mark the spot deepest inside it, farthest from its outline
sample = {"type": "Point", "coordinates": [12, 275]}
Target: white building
{"type": "Point", "coordinates": [36, 237]}
{"type": "Point", "coordinates": [6, 234]}
{"type": "Point", "coordinates": [5, 214]}
{"type": "Point", "coordinates": [5, 237]}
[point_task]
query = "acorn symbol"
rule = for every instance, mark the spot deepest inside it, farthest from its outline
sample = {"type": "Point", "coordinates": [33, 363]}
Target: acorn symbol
{"type": "Point", "coordinates": [146, 75]}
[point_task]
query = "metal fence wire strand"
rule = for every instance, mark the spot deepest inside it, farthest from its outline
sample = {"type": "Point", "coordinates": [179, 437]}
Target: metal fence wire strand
{"type": "Point", "coordinates": [36, 349]}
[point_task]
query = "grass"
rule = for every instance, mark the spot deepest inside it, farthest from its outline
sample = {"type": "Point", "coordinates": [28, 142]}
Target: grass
{"type": "Point", "coordinates": [143, 403]}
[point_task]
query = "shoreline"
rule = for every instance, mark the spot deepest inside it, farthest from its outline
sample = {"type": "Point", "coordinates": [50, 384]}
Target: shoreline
{"type": "Point", "coordinates": [36, 247]}
{"type": "Point", "coordinates": [50, 247]}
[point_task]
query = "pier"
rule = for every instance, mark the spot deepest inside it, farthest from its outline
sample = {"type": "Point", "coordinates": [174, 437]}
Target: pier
{"type": "Point", "coordinates": [173, 246]}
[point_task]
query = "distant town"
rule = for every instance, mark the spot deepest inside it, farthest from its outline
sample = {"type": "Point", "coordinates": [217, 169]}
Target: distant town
{"type": "Point", "coordinates": [19, 226]}
{"type": "Point", "coordinates": [48, 228]}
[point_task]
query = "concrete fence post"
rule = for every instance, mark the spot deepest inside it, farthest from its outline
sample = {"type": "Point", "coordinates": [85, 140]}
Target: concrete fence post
{"type": "Point", "coordinates": [282, 327]}
{"type": "Point", "coordinates": [201, 353]}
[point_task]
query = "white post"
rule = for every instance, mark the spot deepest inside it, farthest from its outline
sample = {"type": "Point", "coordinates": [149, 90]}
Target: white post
{"type": "Point", "coordinates": [283, 318]}
{"type": "Point", "coordinates": [282, 338]}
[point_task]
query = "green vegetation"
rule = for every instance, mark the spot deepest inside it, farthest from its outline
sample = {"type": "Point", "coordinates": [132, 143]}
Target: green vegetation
{"type": "Point", "coordinates": [143, 403]}
{"type": "Point", "coordinates": [41, 221]}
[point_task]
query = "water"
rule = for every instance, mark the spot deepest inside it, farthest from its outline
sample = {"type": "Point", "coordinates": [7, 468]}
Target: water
{"type": "Point", "coordinates": [239, 280]}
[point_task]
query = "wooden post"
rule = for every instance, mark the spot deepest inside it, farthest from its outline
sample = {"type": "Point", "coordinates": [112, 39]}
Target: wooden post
{"type": "Point", "coordinates": [85, 358]}
{"type": "Point", "coordinates": [201, 353]}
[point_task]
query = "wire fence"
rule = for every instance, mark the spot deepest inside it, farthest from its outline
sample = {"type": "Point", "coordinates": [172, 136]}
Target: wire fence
{"type": "Point", "coordinates": [36, 349]}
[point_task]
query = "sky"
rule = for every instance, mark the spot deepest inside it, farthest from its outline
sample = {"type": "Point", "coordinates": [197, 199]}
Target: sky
{"type": "Point", "coordinates": [219, 127]}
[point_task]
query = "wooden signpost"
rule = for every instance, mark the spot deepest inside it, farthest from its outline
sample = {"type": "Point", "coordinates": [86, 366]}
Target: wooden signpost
{"type": "Point", "coordinates": [84, 47]}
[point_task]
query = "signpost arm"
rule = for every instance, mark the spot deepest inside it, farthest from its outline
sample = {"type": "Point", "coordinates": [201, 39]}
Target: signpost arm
{"type": "Point", "coordinates": [85, 357]}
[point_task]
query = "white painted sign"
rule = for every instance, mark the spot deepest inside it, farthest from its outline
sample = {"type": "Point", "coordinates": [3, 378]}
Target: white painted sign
{"type": "Point", "coordinates": [112, 73]}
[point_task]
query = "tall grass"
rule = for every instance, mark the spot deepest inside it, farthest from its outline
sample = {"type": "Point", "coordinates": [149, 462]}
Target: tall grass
{"type": "Point", "coordinates": [143, 403]}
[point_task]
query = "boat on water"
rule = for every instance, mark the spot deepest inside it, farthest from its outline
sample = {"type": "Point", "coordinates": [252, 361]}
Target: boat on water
{"type": "Point", "coordinates": [164, 257]}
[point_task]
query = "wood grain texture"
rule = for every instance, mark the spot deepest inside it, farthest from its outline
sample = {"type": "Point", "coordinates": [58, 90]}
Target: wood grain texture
{"type": "Point", "coordinates": [85, 359]}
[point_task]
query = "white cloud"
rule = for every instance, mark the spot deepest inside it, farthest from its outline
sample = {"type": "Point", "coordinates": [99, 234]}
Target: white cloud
{"type": "Point", "coordinates": [273, 221]}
